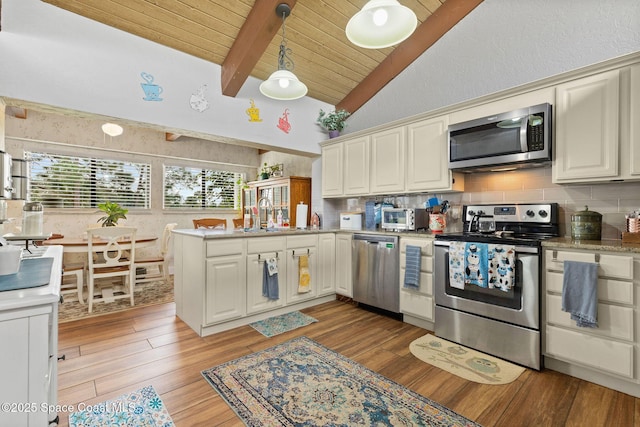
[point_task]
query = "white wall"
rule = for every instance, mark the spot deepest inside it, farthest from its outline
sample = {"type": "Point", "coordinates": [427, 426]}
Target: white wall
{"type": "Point", "coordinates": [502, 44]}
{"type": "Point", "coordinates": [53, 57]}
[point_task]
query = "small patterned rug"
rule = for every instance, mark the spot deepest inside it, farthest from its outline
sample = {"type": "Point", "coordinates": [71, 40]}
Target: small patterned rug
{"type": "Point", "coordinates": [464, 362]}
{"type": "Point", "coordinates": [283, 323]}
{"type": "Point", "coordinates": [139, 408]}
{"type": "Point", "coordinates": [302, 383]}
{"type": "Point", "coordinates": [150, 293]}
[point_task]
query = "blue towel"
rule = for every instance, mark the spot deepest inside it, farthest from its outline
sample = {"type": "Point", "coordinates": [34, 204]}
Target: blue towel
{"type": "Point", "coordinates": [370, 215]}
{"type": "Point", "coordinates": [580, 292]}
{"type": "Point", "coordinates": [476, 264]}
{"type": "Point", "coordinates": [412, 267]}
{"type": "Point", "coordinates": [270, 288]}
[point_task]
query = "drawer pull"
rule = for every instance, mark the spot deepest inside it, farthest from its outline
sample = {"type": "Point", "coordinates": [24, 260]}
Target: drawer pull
{"type": "Point", "coordinates": [264, 260]}
{"type": "Point", "coordinates": [293, 254]}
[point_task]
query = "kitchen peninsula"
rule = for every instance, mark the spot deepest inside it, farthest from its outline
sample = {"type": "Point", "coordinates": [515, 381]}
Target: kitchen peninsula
{"type": "Point", "coordinates": [218, 275]}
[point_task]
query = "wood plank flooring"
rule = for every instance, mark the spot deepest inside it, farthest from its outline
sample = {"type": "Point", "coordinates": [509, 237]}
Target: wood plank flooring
{"type": "Point", "coordinates": [113, 354]}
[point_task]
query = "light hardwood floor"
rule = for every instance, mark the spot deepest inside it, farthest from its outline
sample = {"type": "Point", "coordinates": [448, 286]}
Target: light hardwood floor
{"type": "Point", "coordinates": [113, 354]}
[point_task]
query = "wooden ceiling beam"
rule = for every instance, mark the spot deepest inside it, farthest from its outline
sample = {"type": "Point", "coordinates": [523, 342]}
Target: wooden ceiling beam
{"type": "Point", "coordinates": [17, 112]}
{"type": "Point", "coordinates": [171, 136]}
{"type": "Point", "coordinates": [258, 30]}
{"type": "Point", "coordinates": [429, 32]}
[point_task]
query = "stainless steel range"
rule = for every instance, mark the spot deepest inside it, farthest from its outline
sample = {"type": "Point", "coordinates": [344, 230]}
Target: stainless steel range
{"type": "Point", "coordinates": [487, 283]}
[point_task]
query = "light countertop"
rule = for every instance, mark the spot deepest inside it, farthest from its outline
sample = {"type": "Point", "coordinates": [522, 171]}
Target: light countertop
{"type": "Point", "coordinates": [598, 245]}
{"type": "Point", "coordinates": [224, 234]}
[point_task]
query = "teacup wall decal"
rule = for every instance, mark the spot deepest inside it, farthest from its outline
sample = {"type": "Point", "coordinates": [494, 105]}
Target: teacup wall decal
{"type": "Point", "coordinates": [151, 90]}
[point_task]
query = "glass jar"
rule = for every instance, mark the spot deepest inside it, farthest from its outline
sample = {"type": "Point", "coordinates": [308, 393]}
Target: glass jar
{"type": "Point", "coordinates": [32, 219]}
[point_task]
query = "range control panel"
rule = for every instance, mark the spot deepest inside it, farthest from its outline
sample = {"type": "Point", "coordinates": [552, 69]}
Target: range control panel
{"type": "Point", "coordinates": [540, 213]}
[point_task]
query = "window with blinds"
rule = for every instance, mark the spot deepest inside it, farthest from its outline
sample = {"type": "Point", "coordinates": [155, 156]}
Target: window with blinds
{"type": "Point", "coordinates": [186, 187]}
{"type": "Point", "coordinates": [60, 181]}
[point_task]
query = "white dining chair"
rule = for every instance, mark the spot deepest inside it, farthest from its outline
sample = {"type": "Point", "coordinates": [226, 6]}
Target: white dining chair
{"type": "Point", "coordinates": [111, 254]}
{"type": "Point", "coordinates": [159, 262]}
{"type": "Point", "coordinates": [77, 272]}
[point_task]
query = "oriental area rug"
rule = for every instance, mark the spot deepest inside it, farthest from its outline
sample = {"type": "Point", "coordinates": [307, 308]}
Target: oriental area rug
{"type": "Point", "coordinates": [279, 324]}
{"type": "Point", "coordinates": [139, 408]}
{"type": "Point", "coordinates": [145, 294]}
{"type": "Point", "coordinates": [302, 383]}
{"type": "Point", "coordinates": [464, 362]}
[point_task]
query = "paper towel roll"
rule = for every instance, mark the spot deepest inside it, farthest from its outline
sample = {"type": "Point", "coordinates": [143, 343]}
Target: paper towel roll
{"type": "Point", "coordinates": [301, 215]}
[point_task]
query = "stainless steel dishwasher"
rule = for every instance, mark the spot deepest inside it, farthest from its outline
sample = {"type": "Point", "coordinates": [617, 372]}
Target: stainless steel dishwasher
{"type": "Point", "coordinates": [376, 274]}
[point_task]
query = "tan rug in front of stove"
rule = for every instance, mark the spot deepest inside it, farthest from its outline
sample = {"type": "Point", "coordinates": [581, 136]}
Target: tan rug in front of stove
{"type": "Point", "coordinates": [464, 362]}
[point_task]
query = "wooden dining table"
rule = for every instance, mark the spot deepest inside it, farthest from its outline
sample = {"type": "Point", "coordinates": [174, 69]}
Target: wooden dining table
{"type": "Point", "coordinates": [80, 245]}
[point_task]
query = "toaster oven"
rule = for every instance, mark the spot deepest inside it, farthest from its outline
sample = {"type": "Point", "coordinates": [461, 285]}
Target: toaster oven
{"type": "Point", "coordinates": [404, 219]}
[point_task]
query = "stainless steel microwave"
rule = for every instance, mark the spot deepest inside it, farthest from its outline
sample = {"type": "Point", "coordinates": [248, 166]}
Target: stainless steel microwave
{"type": "Point", "coordinates": [512, 140]}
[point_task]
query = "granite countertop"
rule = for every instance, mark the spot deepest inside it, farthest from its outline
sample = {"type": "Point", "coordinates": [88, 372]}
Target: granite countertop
{"type": "Point", "coordinates": [225, 234]}
{"type": "Point", "coordinates": [598, 245]}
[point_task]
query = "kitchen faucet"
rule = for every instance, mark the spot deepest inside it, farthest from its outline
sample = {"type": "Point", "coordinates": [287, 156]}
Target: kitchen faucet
{"type": "Point", "coordinates": [266, 209]}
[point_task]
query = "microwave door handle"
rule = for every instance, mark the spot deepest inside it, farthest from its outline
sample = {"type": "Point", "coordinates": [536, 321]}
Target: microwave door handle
{"type": "Point", "coordinates": [524, 125]}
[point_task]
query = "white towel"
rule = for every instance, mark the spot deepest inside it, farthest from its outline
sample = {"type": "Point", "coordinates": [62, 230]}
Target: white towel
{"type": "Point", "coordinates": [580, 292]}
{"type": "Point", "coordinates": [456, 264]}
{"type": "Point", "coordinates": [501, 266]}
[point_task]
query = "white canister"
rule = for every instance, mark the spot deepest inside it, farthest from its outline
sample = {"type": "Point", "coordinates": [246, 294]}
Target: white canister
{"type": "Point", "coordinates": [32, 219]}
{"type": "Point", "coordinates": [301, 215]}
{"type": "Point", "coordinates": [10, 259]}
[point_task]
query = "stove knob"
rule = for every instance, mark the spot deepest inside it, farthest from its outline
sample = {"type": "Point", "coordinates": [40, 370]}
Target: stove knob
{"type": "Point", "coordinates": [543, 213]}
{"type": "Point", "coordinates": [530, 213]}
{"type": "Point", "coordinates": [470, 213]}
{"type": "Point", "coordinates": [481, 212]}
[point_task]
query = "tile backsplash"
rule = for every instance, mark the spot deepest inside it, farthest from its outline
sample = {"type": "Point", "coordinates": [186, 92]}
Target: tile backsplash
{"type": "Point", "coordinates": [613, 200]}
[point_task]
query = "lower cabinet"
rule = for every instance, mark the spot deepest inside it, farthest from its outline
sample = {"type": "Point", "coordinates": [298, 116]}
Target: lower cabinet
{"type": "Point", "coordinates": [609, 354]}
{"type": "Point", "coordinates": [344, 275]}
{"type": "Point", "coordinates": [259, 251]}
{"type": "Point", "coordinates": [225, 288]}
{"type": "Point", "coordinates": [418, 303]}
{"type": "Point", "coordinates": [298, 249]}
{"type": "Point", "coordinates": [326, 264]}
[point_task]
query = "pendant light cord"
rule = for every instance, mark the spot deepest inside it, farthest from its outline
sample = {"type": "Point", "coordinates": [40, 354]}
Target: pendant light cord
{"type": "Point", "coordinates": [284, 60]}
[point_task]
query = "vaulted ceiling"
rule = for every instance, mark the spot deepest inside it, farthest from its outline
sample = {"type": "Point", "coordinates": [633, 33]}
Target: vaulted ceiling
{"type": "Point", "coordinates": [243, 36]}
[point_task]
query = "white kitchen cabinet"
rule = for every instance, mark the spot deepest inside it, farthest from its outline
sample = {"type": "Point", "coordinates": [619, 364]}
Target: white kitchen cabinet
{"type": "Point", "coordinates": [258, 252]}
{"type": "Point", "coordinates": [609, 354]}
{"type": "Point", "coordinates": [356, 166]}
{"type": "Point", "coordinates": [226, 290]}
{"type": "Point", "coordinates": [418, 305]}
{"type": "Point", "coordinates": [387, 161]}
{"type": "Point", "coordinates": [634, 119]}
{"type": "Point", "coordinates": [332, 170]}
{"type": "Point", "coordinates": [326, 264]}
{"type": "Point", "coordinates": [587, 128]}
{"type": "Point", "coordinates": [427, 157]}
{"type": "Point", "coordinates": [297, 247]}
{"type": "Point", "coordinates": [29, 352]}
{"type": "Point", "coordinates": [344, 275]}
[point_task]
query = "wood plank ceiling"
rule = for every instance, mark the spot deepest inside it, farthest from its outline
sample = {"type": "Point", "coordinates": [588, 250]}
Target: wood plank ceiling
{"type": "Point", "coordinates": [334, 70]}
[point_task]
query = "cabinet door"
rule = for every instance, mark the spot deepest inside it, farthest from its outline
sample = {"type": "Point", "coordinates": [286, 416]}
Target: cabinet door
{"type": "Point", "coordinates": [256, 302]}
{"type": "Point", "coordinates": [634, 131]}
{"type": "Point", "coordinates": [326, 264]}
{"type": "Point", "coordinates": [587, 124]}
{"type": "Point", "coordinates": [387, 161]}
{"type": "Point", "coordinates": [332, 169]}
{"type": "Point", "coordinates": [427, 152]}
{"type": "Point", "coordinates": [344, 275]}
{"type": "Point", "coordinates": [356, 166]}
{"type": "Point", "coordinates": [293, 278]}
{"type": "Point", "coordinates": [225, 292]}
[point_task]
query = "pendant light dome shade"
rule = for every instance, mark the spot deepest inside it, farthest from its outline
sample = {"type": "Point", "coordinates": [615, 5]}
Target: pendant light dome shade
{"type": "Point", "coordinates": [112, 129]}
{"type": "Point", "coordinates": [380, 24]}
{"type": "Point", "coordinates": [283, 85]}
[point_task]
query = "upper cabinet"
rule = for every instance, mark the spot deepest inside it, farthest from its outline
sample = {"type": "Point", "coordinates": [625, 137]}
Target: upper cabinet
{"type": "Point", "coordinates": [634, 120]}
{"type": "Point", "coordinates": [587, 123]}
{"type": "Point", "coordinates": [402, 159]}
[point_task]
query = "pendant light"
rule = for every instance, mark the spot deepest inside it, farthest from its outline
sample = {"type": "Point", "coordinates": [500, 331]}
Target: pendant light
{"type": "Point", "coordinates": [283, 84]}
{"type": "Point", "coordinates": [112, 129]}
{"type": "Point", "coordinates": [380, 24]}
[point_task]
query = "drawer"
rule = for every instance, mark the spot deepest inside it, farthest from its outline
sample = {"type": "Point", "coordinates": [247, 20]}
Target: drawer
{"type": "Point", "coordinates": [426, 245]}
{"type": "Point", "coordinates": [416, 305]}
{"type": "Point", "coordinates": [599, 353]}
{"type": "Point", "coordinates": [307, 241]}
{"type": "Point", "coordinates": [613, 321]}
{"type": "Point", "coordinates": [257, 245]}
{"type": "Point", "coordinates": [217, 247]}
{"type": "Point", "coordinates": [617, 266]}
{"type": "Point", "coordinates": [426, 262]}
{"type": "Point", "coordinates": [609, 290]}
{"type": "Point", "coordinates": [426, 283]}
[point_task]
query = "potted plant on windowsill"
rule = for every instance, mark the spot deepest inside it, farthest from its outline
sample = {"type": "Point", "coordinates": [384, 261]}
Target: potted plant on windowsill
{"type": "Point", "coordinates": [114, 212]}
{"type": "Point", "coordinates": [333, 122]}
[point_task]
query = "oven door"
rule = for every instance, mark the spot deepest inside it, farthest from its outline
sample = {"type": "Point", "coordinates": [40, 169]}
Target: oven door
{"type": "Point", "coordinates": [518, 306]}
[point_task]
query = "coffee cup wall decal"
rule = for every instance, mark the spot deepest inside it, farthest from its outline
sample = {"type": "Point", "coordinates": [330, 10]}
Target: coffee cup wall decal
{"type": "Point", "coordinates": [253, 112]}
{"type": "Point", "coordinates": [283, 122]}
{"type": "Point", "coordinates": [151, 90]}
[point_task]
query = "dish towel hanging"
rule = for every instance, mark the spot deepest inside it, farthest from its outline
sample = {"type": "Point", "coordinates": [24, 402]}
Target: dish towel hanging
{"type": "Point", "coordinates": [502, 266]}
{"type": "Point", "coordinates": [456, 264]}
{"type": "Point", "coordinates": [412, 267]}
{"type": "Point", "coordinates": [304, 277]}
{"type": "Point", "coordinates": [476, 264]}
{"type": "Point", "coordinates": [580, 292]}
{"type": "Point", "coordinates": [270, 287]}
